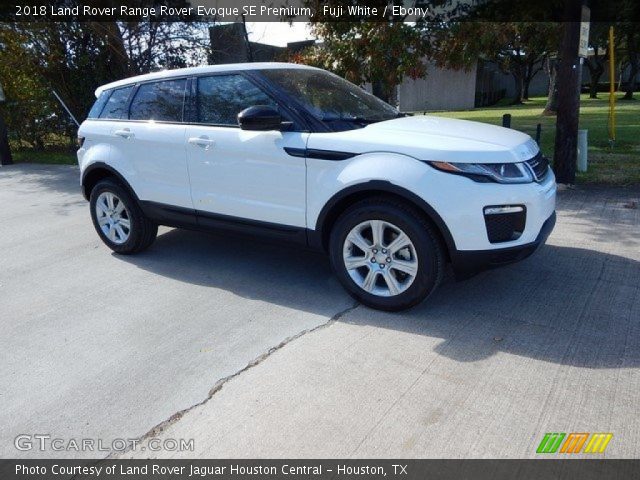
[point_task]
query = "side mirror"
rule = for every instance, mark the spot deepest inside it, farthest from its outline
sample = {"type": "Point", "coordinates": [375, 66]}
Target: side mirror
{"type": "Point", "coordinates": [260, 117]}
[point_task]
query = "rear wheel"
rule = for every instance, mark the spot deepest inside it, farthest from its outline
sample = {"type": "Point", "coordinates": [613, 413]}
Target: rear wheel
{"type": "Point", "coordinates": [118, 219]}
{"type": "Point", "coordinates": [386, 254]}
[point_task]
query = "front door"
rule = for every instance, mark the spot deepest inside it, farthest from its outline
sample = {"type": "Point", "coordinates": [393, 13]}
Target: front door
{"type": "Point", "coordinates": [242, 174]}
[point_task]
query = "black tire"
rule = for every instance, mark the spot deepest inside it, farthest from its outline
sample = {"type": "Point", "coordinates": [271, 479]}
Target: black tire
{"type": "Point", "coordinates": [428, 248]}
{"type": "Point", "coordinates": [142, 231]}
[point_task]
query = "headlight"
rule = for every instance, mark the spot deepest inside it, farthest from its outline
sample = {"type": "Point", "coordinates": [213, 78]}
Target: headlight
{"type": "Point", "coordinates": [488, 172]}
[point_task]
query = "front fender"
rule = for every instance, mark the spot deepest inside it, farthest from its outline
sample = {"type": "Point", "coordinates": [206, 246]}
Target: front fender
{"type": "Point", "coordinates": [327, 178]}
{"type": "Point", "coordinates": [331, 182]}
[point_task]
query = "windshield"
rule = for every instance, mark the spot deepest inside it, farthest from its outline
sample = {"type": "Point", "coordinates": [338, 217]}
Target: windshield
{"type": "Point", "coordinates": [330, 98]}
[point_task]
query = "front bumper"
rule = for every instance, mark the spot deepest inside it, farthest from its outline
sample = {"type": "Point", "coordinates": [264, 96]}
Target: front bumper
{"type": "Point", "coordinates": [460, 202]}
{"type": "Point", "coordinates": [466, 263]}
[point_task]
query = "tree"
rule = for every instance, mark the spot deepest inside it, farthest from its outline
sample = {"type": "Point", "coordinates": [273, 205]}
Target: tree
{"type": "Point", "coordinates": [518, 48]}
{"type": "Point", "coordinates": [30, 109]}
{"type": "Point", "coordinates": [379, 52]}
{"type": "Point", "coordinates": [540, 40]}
{"type": "Point", "coordinates": [74, 58]}
{"type": "Point", "coordinates": [596, 63]}
{"type": "Point", "coordinates": [60, 55]}
{"type": "Point", "coordinates": [631, 48]}
{"type": "Point", "coordinates": [627, 13]}
{"type": "Point", "coordinates": [143, 47]}
{"type": "Point", "coordinates": [551, 107]}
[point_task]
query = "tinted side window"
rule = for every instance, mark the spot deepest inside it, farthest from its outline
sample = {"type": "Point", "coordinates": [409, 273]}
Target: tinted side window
{"type": "Point", "coordinates": [116, 106]}
{"type": "Point", "coordinates": [221, 97]}
{"type": "Point", "coordinates": [99, 104]}
{"type": "Point", "coordinates": [161, 101]}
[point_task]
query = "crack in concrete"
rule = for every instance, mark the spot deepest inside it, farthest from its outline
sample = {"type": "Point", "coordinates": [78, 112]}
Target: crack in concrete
{"type": "Point", "coordinates": [159, 428]}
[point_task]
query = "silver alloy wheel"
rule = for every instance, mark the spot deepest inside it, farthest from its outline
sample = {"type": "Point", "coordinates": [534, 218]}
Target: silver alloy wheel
{"type": "Point", "coordinates": [380, 258]}
{"type": "Point", "coordinates": [113, 218]}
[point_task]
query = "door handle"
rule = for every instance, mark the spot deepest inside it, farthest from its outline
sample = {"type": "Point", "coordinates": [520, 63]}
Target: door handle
{"type": "Point", "coordinates": [201, 141]}
{"type": "Point", "coordinates": [124, 133]}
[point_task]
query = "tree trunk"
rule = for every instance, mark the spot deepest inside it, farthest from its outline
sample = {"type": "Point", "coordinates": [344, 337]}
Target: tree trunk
{"type": "Point", "coordinates": [38, 143]}
{"type": "Point", "coordinates": [633, 72]}
{"type": "Point", "coordinates": [525, 92]}
{"type": "Point", "coordinates": [378, 89]}
{"type": "Point", "coordinates": [595, 72]}
{"type": "Point", "coordinates": [566, 144]}
{"type": "Point", "coordinates": [552, 99]}
{"type": "Point", "coordinates": [632, 58]}
{"type": "Point", "coordinates": [519, 82]}
{"type": "Point", "coordinates": [593, 86]}
{"type": "Point", "coordinates": [118, 58]}
{"type": "Point", "coordinates": [529, 72]}
{"type": "Point", "coordinates": [5, 149]}
{"type": "Point", "coordinates": [72, 136]}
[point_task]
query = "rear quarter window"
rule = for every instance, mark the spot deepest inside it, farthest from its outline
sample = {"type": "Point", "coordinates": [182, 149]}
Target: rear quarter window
{"type": "Point", "coordinates": [99, 104]}
{"type": "Point", "coordinates": [116, 104]}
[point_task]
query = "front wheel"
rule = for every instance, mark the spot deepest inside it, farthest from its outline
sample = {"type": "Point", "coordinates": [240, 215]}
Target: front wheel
{"type": "Point", "coordinates": [386, 254]}
{"type": "Point", "coordinates": [118, 219]}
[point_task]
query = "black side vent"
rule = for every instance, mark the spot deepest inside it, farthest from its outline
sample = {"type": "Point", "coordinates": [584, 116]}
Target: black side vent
{"type": "Point", "coordinates": [505, 227]}
{"type": "Point", "coordinates": [539, 165]}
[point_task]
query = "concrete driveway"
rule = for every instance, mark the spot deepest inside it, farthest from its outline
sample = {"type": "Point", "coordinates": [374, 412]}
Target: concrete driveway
{"type": "Point", "coordinates": [253, 350]}
{"type": "Point", "coordinates": [96, 345]}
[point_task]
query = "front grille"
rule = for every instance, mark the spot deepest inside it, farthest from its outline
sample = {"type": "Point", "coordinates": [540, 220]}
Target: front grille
{"type": "Point", "coordinates": [505, 227]}
{"type": "Point", "coordinates": [539, 165]}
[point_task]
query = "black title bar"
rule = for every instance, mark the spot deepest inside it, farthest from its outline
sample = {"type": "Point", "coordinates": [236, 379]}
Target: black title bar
{"type": "Point", "coordinates": [320, 469]}
{"type": "Point", "coordinates": [326, 10]}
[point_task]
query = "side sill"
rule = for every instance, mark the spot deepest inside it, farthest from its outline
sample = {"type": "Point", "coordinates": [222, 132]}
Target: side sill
{"type": "Point", "coordinates": [169, 215]}
{"type": "Point", "coordinates": [215, 222]}
{"type": "Point", "coordinates": [180, 217]}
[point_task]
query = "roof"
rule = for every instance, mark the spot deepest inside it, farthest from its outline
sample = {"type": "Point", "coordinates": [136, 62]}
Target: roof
{"type": "Point", "coordinates": [181, 72]}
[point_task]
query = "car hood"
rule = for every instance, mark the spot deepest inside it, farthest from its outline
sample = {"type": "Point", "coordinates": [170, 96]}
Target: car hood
{"type": "Point", "coordinates": [433, 138]}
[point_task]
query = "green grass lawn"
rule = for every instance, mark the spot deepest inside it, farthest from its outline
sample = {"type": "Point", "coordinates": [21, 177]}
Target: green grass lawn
{"type": "Point", "coordinates": [619, 165]}
{"type": "Point", "coordinates": [50, 157]}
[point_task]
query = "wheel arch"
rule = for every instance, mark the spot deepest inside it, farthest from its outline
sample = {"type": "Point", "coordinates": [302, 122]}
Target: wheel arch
{"type": "Point", "coordinates": [98, 171]}
{"type": "Point", "coordinates": [344, 198]}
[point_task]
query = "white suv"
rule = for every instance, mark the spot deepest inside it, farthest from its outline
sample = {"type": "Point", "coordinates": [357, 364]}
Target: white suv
{"type": "Point", "coordinates": [298, 154]}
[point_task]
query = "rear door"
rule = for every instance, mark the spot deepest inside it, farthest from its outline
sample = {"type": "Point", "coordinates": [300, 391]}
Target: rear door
{"type": "Point", "coordinates": [151, 143]}
{"type": "Point", "coordinates": [238, 173]}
